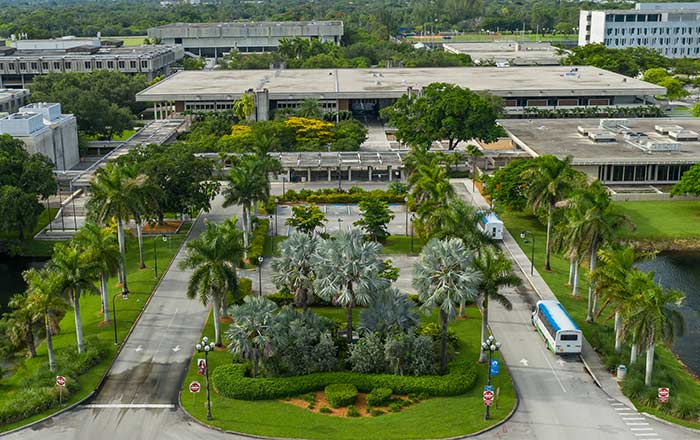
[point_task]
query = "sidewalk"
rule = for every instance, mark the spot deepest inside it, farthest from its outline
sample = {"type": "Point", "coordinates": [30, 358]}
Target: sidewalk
{"type": "Point", "coordinates": [589, 357]}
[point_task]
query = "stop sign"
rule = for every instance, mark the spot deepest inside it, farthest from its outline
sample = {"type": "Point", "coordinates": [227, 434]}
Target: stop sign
{"type": "Point", "coordinates": [60, 381]}
{"type": "Point", "coordinates": [663, 394]}
{"type": "Point", "coordinates": [488, 395]}
{"type": "Point", "coordinates": [195, 387]}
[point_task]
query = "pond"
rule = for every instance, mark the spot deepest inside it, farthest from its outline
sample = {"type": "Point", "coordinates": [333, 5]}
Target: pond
{"type": "Point", "coordinates": [11, 281]}
{"type": "Point", "coordinates": [681, 270]}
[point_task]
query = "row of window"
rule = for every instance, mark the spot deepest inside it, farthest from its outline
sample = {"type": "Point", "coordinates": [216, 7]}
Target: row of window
{"type": "Point", "coordinates": [641, 173]}
{"type": "Point", "coordinates": [565, 102]}
{"type": "Point", "coordinates": [652, 41]}
{"type": "Point", "coordinates": [21, 66]}
{"type": "Point", "coordinates": [618, 18]}
{"type": "Point", "coordinates": [651, 31]}
{"type": "Point", "coordinates": [208, 106]}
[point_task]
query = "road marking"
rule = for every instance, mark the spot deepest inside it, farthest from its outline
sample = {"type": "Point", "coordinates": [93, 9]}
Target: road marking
{"type": "Point", "coordinates": [176, 348]}
{"type": "Point", "coordinates": [611, 399]}
{"type": "Point", "coordinates": [633, 418]}
{"type": "Point", "coordinates": [624, 408]}
{"type": "Point", "coordinates": [166, 330]}
{"type": "Point", "coordinates": [647, 434]}
{"type": "Point", "coordinates": [524, 362]}
{"type": "Point", "coordinates": [553, 372]}
{"type": "Point", "coordinates": [139, 348]}
{"type": "Point", "coordinates": [561, 362]}
{"type": "Point", "coordinates": [130, 406]}
{"type": "Point", "coordinates": [641, 429]}
{"type": "Point", "coordinates": [637, 424]}
{"type": "Point", "coordinates": [617, 404]}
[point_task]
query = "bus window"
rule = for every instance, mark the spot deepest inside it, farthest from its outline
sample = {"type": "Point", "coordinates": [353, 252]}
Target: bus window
{"type": "Point", "coordinates": [568, 337]}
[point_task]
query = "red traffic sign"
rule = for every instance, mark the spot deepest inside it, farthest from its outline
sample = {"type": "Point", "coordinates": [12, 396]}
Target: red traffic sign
{"type": "Point", "coordinates": [201, 367]}
{"type": "Point", "coordinates": [488, 395]}
{"type": "Point", "coordinates": [60, 381]}
{"type": "Point", "coordinates": [195, 387]}
{"type": "Point", "coordinates": [664, 393]}
{"type": "Point", "coordinates": [488, 402]}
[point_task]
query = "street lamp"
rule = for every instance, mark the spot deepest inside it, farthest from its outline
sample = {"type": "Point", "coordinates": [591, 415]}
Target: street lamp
{"type": "Point", "coordinates": [340, 222]}
{"type": "Point", "coordinates": [284, 179]}
{"type": "Point", "coordinates": [490, 345]}
{"type": "Point", "coordinates": [273, 233]}
{"type": "Point", "coordinates": [413, 217]}
{"type": "Point", "coordinates": [205, 346]}
{"type": "Point", "coordinates": [125, 296]}
{"type": "Point", "coordinates": [339, 181]}
{"type": "Point", "coordinates": [155, 253]}
{"type": "Point", "coordinates": [405, 199]}
{"type": "Point", "coordinates": [260, 262]}
{"type": "Point", "coordinates": [524, 235]}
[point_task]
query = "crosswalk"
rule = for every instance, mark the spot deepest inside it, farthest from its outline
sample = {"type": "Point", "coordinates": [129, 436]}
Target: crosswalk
{"type": "Point", "coordinates": [638, 425]}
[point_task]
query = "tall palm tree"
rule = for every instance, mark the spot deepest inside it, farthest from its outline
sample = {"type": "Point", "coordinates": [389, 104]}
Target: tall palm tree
{"type": "Point", "coordinates": [496, 272]}
{"type": "Point", "coordinates": [43, 298]}
{"type": "Point", "coordinates": [102, 248]}
{"type": "Point", "coordinates": [293, 269]}
{"type": "Point", "coordinates": [114, 193]}
{"type": "Point", "coordinates": [347, 270]}
{"type": "Point", "coordinates": [549, 182]}
{"type": "Point", "coordinates": [212, 275]}
{"type": "Point", "coordinates": [458, 219]}
{"type": "Point", "coordinates": [566, 240]}
{"type": "Point", "coordinates": [444, 276]}
{"type": "Point", "coordinates": [244, 108]}
{"type": "Point", "coordinates": [233, 237]}
{"type": "Point", "coordinates": [78, 274]}
{"type": "Point", "coordinates": [653, 318]}
{"type": "Point", "coordinates": [475, 153]}
{"type": "Point", "coordinates": [20, 323]}
{"type": "Point", "coordinates": [246, 186]}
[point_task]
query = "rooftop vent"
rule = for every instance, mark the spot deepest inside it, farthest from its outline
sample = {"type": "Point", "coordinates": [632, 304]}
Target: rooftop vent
{"type": "Point", "coordinates": [683, 135]}
{"type": "Point", "coordinates": [612, 124]}
{"type": "Point", "coordinates": [660, 146]}
{"type": "Point", "coordinates": [601, 135]}
{"type": "Point", "coordinates": [665, 128]}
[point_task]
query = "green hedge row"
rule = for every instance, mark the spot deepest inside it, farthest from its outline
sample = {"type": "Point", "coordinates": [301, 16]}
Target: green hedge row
{"type": "Point", "coordinates": [379, 396]}
{"type": "Point", "coordinates": [355, 194]}
{"type": "Point", "coordinates": [341, 394]}
{"type": "Point", "coordinates": [257, 242]}
{"type": "Point", "coordinates": [230, 381]}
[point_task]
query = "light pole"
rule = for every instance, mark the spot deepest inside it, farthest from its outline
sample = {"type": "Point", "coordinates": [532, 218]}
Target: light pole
{"type": "Point", "coordinates": [340, 188]}
{"type": "Point", "coordinates": [284, 179]}
{"type": "Point", "coordinates": [155, 253]}
{"type": "Point", "coordinates": [413, 217]}
{"type": "Point", "coordinates": [340, 222]}
{"type": "Point", "coordinates": [273, 233]}
{"type": "Point", "coordinates": [206, 347]}
{"type": "Point", "coordinates": [273, 243]}
{"type": "Point", "coordinates": [260, 262]}
{"type": "Point", "coordinates": [490, 345]}
{"type": "Point", "coordinates": [405, 199]}
{"type": "Point", "coordinates": [524, 235]}
{"type": "Point", "coordinates": [125, 296]}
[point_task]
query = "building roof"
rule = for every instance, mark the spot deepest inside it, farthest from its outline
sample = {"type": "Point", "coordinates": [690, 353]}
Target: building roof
{"type": "Point", "coordinates": [620, 141]}
{"type": "Point", "coordinates": [645, 8]}
{"type": "Point", "coordinates": [247, 24]}
{"type": "Point", "coordinates": [91, 52]}
{"type": "Point", "coordinates": [392, 83]}
{"type": "Point", "coordinates": [512, 52]}
{"type": "Point", "coordinates": [9, 94]}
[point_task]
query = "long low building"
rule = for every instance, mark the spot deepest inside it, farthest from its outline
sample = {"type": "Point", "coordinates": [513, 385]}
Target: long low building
{"type": "Point", "coordinates": [12, 99]}
{"type": "Point", "coordinates": [369, 90]}
{"type": "Point", "coordinates": [513, 53]}
{"type": "Point", "coordinates": [615, 151]}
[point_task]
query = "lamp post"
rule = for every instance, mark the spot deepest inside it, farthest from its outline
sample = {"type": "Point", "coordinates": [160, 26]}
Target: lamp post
{"type": "Point", "coordinates": [205, 347]}
{"type": "Point", "coordinates": [284, 179]}
{"type": "Point", "coordinates": [340, 188]}
{"type": "Point", "coordinates": [125, 296]}
{"type": "Point", "coordinates": [155, 253]}
{"type": "Point", "coordinates": [524, 235]}
{"type": "Point", "coordinates": [260, 262]}
{"type": "Point", "coordinates": [405, 199]}
{"type": "Point", "coordinates": [273, 233]}
{"type": "Point", "coordinates": [340, 222]}
{"type": "Point", "coordinates": [490, 345]}
{"type": "Point", "coordinates": [413, 217]}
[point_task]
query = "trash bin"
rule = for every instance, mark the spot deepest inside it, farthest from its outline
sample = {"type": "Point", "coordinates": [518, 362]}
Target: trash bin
{"type": "Point", "coordinates": [621, 372]}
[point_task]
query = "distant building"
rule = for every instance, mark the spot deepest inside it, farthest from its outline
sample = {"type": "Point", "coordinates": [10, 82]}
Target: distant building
{"type": "Point", "coordinates": [214, 39]}
{"type": "Point", "coordinates": [12, 99]}
{"type": "Point", "coordinates": [671, 28]}
{"type": "Point", "coordinates": [507, 53]}
{"type": "Point", "coordinates": [43, 129]}
{"type": "Point", "coordinates": [24, 59]}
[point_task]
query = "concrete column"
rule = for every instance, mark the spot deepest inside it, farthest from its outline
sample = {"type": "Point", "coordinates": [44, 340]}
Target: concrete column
{"type": "Point", "coordinates": [369, 169]}
{"type": "Point", "coordinates": [289, 175]}
{"type": "Point", "coordinates": [400, 173]}
{"type": "Point", "coordinates": [262, 105]}
{"type": "Point", "coordinates": [155, 111]}
{"type": "Point", "coordinates": [308, 174]}
{"type": "Point", "coordinates": [349, 174]}
{"type": "Point", "coordinates": [391, 173]}
{"type": "Point", "coordinates": [329, 174]}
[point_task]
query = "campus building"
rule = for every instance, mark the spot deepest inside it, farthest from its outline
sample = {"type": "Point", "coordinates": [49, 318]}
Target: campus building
{"type": "Point", "coordinates": [12, 99]}
{"type": "Point", "coordinates": [24, 59]}
{"type": "Point", "coordinates": [43, 129]}
{"type": "Point", "coordinates": [671, 28]}
{"type": "Point", "coordinates": [215, 39]}
{"type": "Point", "coordinates": [369, 90]}
{"type": "Point", "coordinates": [615, 151]}
{"type": "Point", "coordinates": [507, 53]}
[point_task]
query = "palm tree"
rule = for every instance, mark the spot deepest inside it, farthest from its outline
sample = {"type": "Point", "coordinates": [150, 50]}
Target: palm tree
{"type": "Point", "coordinates": [249, 333]}
{"type": "Point", "coordinates": [78, 274]}
{"type": "Point", "coordinates": [43, 298]}
{"type": "Point", "coordinates": [496, 272]}
{"type": "Point", "coordinates": [244, 108]}
{"type": "Point", "coordinates": [475, 153]}
{"type": "Point", "coordinates": [549, 182]}
{"type": "Point", "coordinates": [114, 193]}
{"type": "Point", "coordinates": [212, 275]}
{"type": "Point", "coordinates": [458, 219]}
{"type": "Point", "coordinates": [246, 186]}
{"type": "Point", "coordinates": [444, 276]}
{"type": "Point", "coordinates": [102, 248]}
{"type": "Point", "coordinates": [310, 108]}
{"type": "Point", "coordinates": [565, 239]}
{"type": "Point", "coordinates": [293, 269]}
{"type": "Point", "coordinates": [20, 323]}
{"type": "Point", "coordinates": [347, 271]}
{"type": "Point", "coordinates": [652, 318]}
{"type": "Point", "coordinates": [390, 311]}
{"type": "Point", "coordinates": [229, 232]}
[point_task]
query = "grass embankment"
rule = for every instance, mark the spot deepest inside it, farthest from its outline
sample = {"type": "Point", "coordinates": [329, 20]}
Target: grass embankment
{"type": "Point", "coordinates": [141, 283]}
{"type": "Point", "coordinates": [131, 40]}
{"type": "Point", "coordinates": [513, 36]}
{"type": "Point", "coordinates": [668, 371]}
{"type": "Point", "coordinates": [662, 220]}
{"type": "Point", "coordinates": [401, 244]}
{"type": "Point", "coordinates": [124, 135]}
{"type": "Point", "coordinates": [431, 418]}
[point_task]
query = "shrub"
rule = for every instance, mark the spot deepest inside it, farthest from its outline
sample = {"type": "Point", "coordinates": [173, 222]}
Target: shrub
{"type": "Point", "coordinates": [367, 356]}
{"type": "Point", "coordinates": [685, 409]}
{"type": "Point", "coordinates": [230, 381]}
{"type": "Point", "coordinates": [257, 243]}
{"type": "Point", "coordinates": [434, 331]}
{"type": "Point", "coordinates": [341, 394]}
{"type": "Point", "coordinates": [379, 396]}
{"type": "Point", "coordinates": [281, 298]}
{"type": "Point", "coordinates": [407, 354]}
{"type": "Point", "coordinates": [375, 412]}
{"type": "Point", "coordinates": [395, 406]}
{"type": "Point", "coordinates": [352, 411]}
{"type": "Point", "coordinates": [326, 410]}
{"type": "Point", "coordinates": [244, 288]}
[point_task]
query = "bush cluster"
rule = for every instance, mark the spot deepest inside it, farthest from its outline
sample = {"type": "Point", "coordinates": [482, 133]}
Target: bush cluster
{"type": "Point", "coordinates": [230, 381]}
{"type": "Point", "coordinates": [402, 354]}
{"type": "Point", "coordinates": [379, 396]}
{"type": "Point", "coordinates": [395, 194]}
{"type": "Point", "coordinates": [353, 412]}
{"type": "Point", "coordinates": [257, 242]}
{"type": "Point", "coordinates": [341, 394]}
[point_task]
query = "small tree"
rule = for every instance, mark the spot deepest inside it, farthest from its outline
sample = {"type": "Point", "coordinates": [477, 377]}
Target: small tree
{"type": "Point", "coordinates": [306, 218]}
{"type": "Point", "coordinates": [249, 333]}
{"type": "Point", "coordinates": [43, 299]}
{"type": "Point", "coordinates": [293, 269]}
{"type": "Point", "coordinates": [376, 215]}
{"type": "Point", "coordinates": [390, 311]}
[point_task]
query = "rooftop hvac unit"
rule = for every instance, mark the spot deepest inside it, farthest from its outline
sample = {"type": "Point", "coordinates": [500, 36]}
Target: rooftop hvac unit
{"type": "Point", "coordinates": [660, 147]}
{"type": "Point", "coordinates": [612, 124]}
{"type": "Point", "coordinates": [664, 128]}
{"type": "Point", "coordinates": [583, 131]}
{"type": "Point", "coordinates": [636, 136]}
{"type": "Point", "coordinates": [598, 135]}
{"type": "Point", "coordinates": [683, 135]}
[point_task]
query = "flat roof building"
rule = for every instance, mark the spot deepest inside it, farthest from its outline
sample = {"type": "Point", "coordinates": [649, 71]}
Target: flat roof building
{"type": "Point", "coordinates": [510, 53]}
{"type": "Point", "coordinates": [214, 39]}
{"type": "Point", "coordinates": [615, 151]}
{"type": "Point", "coordinates": [12, 99]}
{"type": "Point", "coordinates": [43, 129]}
{"type": "Point", "coordinates": [369, 90]}
{"type": "Point", "coordinates": [671, 28]}
{"type": "Point", "coordinates": [26, 58]}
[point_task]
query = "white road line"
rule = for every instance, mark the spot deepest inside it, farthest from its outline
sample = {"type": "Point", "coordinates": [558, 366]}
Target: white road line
{"type": "Point", "coordinates": [552, 369]}
{"type": "Point", "coordinates": [628, 414]}
{"type": "Point", "coordinates": [646, 434]}
{"type": "Point", "coordinates": [622, 409]}
{"type": "Point", "coordinates": [617, 404]}
{"type": "Point", "coordinates": [633, 418]}
{"type": "Point", "coordinates": [611, 399]}
{"type": "Point", "coordinates": [166, 330]}
{"type": "Point", "coordinates": [636, 424]}
{"type": "Point", "coordinates": [641, 429]}
{"type": "Point", "coordinates": [129, 405]}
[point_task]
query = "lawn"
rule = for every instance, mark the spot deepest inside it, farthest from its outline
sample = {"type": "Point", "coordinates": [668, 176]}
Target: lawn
{"type": "Point", "coordinates": [476, 36]}
{"type": "Point", "coordinates": [401, 244]}
{"type": "Point", "coordinates": [141, 284]}
{"type": "Point", "coordinates": [129, 40]}
{"type": "Point", "coordinates": [668, 371]}
{"type": "Point", "coordinates": [126, 134]}
{"type": "Point", "coordinates": [662, 219]}
{"type": "Point", "coordinates": [431, 418]}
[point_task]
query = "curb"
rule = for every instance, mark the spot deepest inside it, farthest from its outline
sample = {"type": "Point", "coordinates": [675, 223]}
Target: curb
{"type": "Point", "coordinates": [116, 355]}
{"type": "Point", "coordinates": [674, 425]}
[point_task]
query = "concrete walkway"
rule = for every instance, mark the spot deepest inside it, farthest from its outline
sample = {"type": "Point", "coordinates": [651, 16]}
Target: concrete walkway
{"type": "Point", "coordinates": [589, 357]}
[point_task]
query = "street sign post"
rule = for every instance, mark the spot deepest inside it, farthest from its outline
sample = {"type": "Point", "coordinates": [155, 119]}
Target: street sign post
{"type": "Point", "coordinates": [494, 367]}
{"type": "Point", "coordinates": [61, 382]}
{"type": "Point", "coordinates": [488, 388]}
{"type": "Point", "coordinates": [664, 394]}
{"type": "Point", "coordinates": [195, 387]}
{"type": "Point", "coordinates": [488, 398]}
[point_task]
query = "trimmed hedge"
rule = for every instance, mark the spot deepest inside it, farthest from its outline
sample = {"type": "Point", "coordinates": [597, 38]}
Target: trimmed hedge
{"type": "Point", "coordinates": [256, 247]}
{"type": "Point", "coordinates": [230, 381]}
{"type": "Point", "coordinates": [379, 396]}
{"type": "Point", "coordinates": [332, 195]}
{"type": "Point", "coordinates": [341, 394]}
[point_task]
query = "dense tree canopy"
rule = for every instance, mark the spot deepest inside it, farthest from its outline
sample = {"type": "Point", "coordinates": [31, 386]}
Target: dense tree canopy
{"type": "Point", "coordinates": [630, 61]}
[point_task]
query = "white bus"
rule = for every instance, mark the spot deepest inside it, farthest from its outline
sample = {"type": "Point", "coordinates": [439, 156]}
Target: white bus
{"type": "Point", "coordinates": [559, 330]}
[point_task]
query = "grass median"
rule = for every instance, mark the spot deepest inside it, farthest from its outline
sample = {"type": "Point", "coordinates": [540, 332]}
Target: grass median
{"type": "Point", "coordinates": [672, 219]}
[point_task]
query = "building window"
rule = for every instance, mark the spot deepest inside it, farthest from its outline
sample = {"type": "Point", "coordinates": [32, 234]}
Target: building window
{"type": "Point", "coordinates": [121, 64]}
{"type": "Point", "coordinates": [22, 66]}
{"type": "Point", "coordinates": [110, 64]}
{"type": "Point", "coordinates": [34, 66]}
{"type": "Point", "coordinates": [132, 64]}
{"type": "Point", "coordinates": [45, 66]}
{"type": "Point", "coordinates": [619, 18]}
{"type": "Point", "coordinates": [67, 65]}
{"type": "Point", "coordinates": [98, 64]}
{"type": "Point", "coordinates": [88, 65]}
{"type": "Point", "coordinates": [56, 65]}
{"type": "Point", "coordinates": [144, 64]}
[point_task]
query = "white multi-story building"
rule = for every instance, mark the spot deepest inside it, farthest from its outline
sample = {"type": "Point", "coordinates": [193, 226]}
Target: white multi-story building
{"type": "Point", "coordinates": [671, 28]}
{"type": "Point", "coordinates": [43, 129]}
